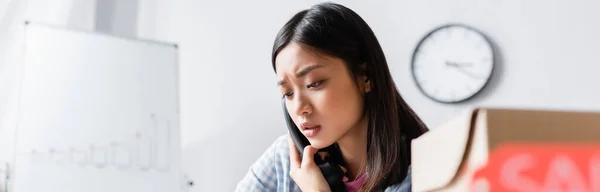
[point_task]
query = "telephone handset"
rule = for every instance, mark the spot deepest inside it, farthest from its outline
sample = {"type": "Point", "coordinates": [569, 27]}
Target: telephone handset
{"type": "Point", "coordinates": [329, 166]}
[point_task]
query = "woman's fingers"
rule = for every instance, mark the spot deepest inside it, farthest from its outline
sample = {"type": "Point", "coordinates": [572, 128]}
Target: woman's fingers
{"type": "Point", "coordinates": [345, 179]}
{"type": "Point", "coordinates": [307, 159]}
{"type": "Point", "coordinates": [308, 156]}
{"type": "Point", "coordinates": [294, 154]}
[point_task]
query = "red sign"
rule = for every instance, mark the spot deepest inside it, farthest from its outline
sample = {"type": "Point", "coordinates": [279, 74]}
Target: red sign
{"type": "Point", "coordinates": [540, 168]}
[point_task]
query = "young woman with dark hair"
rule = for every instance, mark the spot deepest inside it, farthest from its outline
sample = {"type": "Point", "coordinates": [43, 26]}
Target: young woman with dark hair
{"type": "Point", "coordinates": [338, 89]}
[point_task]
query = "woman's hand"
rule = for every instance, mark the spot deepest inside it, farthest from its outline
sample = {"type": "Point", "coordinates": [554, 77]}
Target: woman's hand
{"type": "Point", "coordinates": [305, 171]}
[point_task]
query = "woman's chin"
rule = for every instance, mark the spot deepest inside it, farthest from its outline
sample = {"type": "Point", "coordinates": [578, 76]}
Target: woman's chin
{"type": "Point", "coordinates": [320, 143]}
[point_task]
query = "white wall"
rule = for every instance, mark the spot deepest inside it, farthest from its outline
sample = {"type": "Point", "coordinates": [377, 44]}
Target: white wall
{"type": "Point", "coordinates": [117, 17]}
{"type": "Point", "coordinates": [548, 60]}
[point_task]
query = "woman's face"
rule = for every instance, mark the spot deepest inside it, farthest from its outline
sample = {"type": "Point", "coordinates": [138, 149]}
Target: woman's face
{"type": "Point", "coordinates": [321, 96]}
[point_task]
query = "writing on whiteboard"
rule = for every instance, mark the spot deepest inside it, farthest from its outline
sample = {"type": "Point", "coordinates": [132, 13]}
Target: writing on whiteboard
{"type": "Point", "coordinates": [145, 150]}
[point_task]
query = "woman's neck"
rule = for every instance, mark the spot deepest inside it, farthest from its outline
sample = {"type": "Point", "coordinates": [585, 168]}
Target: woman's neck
{"type": "Point", "coordinates": [354, 149]}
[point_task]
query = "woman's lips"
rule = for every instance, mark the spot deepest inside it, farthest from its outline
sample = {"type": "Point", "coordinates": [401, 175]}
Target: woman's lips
{"type": "Point", "coordinates": [311, 131]}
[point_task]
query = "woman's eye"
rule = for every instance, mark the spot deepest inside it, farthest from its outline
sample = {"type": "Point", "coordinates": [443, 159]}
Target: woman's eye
{"type": "Point", "coordinates": [315, 84]}
{"type": "Point", "coordinates": [287, 94]}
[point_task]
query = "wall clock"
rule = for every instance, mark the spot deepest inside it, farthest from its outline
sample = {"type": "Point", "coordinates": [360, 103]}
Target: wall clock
{"type": "Point", "coordinates": [452, 63]}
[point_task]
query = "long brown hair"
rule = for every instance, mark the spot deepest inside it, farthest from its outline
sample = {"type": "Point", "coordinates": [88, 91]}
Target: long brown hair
{"type": "Point", "coordinates": [336, 30]}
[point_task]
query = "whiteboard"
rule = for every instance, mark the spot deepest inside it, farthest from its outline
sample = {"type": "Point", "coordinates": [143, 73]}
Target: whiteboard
{"type": "Point", "coordinates": [97, 113]}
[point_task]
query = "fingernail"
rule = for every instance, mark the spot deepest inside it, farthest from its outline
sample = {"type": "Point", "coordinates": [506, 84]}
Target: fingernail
{"type": "Point", "coordinates": [345, 179]}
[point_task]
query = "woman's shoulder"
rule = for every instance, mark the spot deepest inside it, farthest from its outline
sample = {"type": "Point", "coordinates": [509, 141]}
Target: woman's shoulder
{"type": "Point", "coordinates": [277, 153]}
{"type": "Point", "coordinates": [270, 171]}
{"type": "Point", "coordinates": [281, 146]}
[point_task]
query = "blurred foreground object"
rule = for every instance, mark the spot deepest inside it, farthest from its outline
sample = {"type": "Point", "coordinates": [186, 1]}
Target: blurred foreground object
{"type": "Point", "coordinates": [510, 150]}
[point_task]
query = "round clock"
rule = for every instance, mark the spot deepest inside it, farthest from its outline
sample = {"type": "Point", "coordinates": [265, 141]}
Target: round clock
{"type": "Point", "coordinates": [452, 63]}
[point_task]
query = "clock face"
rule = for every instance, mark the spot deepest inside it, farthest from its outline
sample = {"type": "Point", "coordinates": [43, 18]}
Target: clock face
{"type": "Point", "coordinates": [452, 63]}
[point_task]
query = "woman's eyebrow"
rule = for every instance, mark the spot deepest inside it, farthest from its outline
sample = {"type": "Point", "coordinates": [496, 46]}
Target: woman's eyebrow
{"type": "Point", "coordinates": [307, 70]}
{"type": "Point", "coordinates": [302, 72]}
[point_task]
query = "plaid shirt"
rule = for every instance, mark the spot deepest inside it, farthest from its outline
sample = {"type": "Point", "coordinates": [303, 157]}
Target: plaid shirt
{"type": "Point", "coordinates": [271, 172]}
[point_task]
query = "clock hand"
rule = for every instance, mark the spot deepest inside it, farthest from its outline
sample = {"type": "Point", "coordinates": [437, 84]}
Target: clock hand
{"type": "Point", "coordinates": [461, 69]}
{"type": "Point", "coordinates": [469, 73]}
{"type": "Point", "coordinates": [466, 64]}
{"type": "Point", "coordinates": [456, 64]}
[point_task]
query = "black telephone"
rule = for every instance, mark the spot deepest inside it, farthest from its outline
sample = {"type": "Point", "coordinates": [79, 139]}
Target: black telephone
{"type": "Point", "coordinates": [330, 165]}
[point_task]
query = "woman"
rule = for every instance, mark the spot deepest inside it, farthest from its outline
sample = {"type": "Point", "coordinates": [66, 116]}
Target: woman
{"type": "Point", "coordinates": [338, 89]}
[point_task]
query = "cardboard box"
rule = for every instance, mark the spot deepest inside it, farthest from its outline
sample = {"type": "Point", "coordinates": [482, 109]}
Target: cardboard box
{"type": "Point", "coordinates": [510, 150]}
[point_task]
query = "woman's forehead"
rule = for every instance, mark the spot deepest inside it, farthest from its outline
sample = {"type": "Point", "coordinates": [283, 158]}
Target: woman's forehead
{"type": "Point", "coordinates": [294, 57]}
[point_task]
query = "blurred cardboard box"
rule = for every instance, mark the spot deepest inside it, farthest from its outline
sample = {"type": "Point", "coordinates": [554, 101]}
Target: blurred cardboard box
{"type": "Point", "coordinates": [510, 150]}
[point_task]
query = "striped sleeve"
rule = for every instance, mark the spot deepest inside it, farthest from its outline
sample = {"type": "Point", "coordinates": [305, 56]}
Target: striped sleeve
{"type": "Point", "coordinates": [262, 174]}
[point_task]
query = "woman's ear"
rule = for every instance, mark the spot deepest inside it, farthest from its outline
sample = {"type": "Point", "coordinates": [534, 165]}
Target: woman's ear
{"type": "Point", "coordinates": [365, 78]}
{"type": "Point", "coordinates": [364, 83]}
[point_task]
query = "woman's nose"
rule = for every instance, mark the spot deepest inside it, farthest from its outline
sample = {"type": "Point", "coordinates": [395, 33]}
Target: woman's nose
{"type": "Point", "coordinates": [303, 107]}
